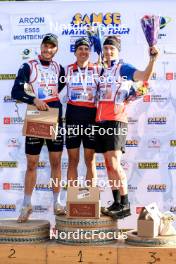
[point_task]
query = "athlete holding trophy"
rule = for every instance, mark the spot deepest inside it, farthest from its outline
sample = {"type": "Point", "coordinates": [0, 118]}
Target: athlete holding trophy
{"type": "Point", "coordinates": [42, 75]}
{"type": "Point", "coordinates": [114, 93]}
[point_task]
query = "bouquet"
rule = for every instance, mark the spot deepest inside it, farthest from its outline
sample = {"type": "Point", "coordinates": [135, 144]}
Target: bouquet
{"type": "Point", "coordinates": [151, 26]}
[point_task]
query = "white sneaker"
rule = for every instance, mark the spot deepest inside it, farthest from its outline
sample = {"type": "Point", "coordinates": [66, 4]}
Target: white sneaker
{"type": "Point", "coordinates": [25, 213]}
{"type": "Point", "coordinates": [59, 209]}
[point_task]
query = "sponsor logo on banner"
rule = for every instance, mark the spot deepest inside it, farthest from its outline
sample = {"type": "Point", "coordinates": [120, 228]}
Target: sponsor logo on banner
{"type": "Point", "coordinates": [7, 207]}
{"type": "Point", "coordinates": [9, 76]}
{"type": "Point", "coordinates": [29, 27]}
{"type": "Point", "coordinates": [64, 165]}
{"type": "Point", "coordinates": [173, 143]}
{"type": "Point", "coordinates": [43, 187]}
{"type": "Point", "coordinates": [153, 76]}
{"type": "Point", "coordinates": [13, 186]}
{"type": "Point", "coordinates": [42, 164]}
{"type": "Point", "coordinates": [164, 21]}
{"type": "Point", "coordinates": [109, 23]}
{"type": "Point", "coordinates": [131, 143]}
{"type": "Point", "coordinates": [139, 209]}
{"type": "Point", "coordinates": [172, 166]}
{"type": "Point", "coordinates": [96, 19]}
{"type": "Point", "coordinates": [169, 76]}
{"type": "Point", "coordinates": [8, 99]}
{"type": "Point", "coordinates": [125, 164]}
{"type": "Point", "coordinates": [154, 98]}
{"type": "Point", "coordinates": [8, 164]}
{"type": "Point", "coordinates": [132, 188]}
{"type": "Point", "coordinates": [148, 165]}
{"type": "Point", "coordinates": [156, 188]}
{"type": "Point", "coordinates": [100, 165]}
{"type": "Point", "coordinates": [132, 120]}
{"type": "Point", "coordinates": [153, 143]}
{"type": "Point", "coordinates": [13, 142]}
{"type": "Point", "coordinates": [6, 186]}
{"type": "Point", "coordinates": [147, 98]}
{"type": "Point", "coordinates": [39, 209]}
{"type": "Point", "coordinates": [13, 120]}
{"type": "Point", "coordinates": [173, 209]}
{"type": "Point", "coordinates": [157, 120]}
{"type": "Point", "coordinates": [28, 54]}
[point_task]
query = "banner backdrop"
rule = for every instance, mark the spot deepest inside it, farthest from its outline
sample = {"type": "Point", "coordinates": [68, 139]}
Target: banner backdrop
{"type": "Point", "coordinates": [150, 160]}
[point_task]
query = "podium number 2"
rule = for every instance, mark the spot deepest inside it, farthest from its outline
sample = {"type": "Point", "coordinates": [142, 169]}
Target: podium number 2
{"type": "Point", "coordinates": [80, 255]}
{"type": "Point", "coordinates": [12, 253]}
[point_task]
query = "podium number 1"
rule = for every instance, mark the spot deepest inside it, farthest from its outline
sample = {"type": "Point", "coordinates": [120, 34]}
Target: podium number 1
{"type": "Point", "coordinates": [80, 255]}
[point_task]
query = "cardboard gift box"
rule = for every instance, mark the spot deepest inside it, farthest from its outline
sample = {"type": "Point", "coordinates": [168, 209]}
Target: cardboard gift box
{"type": "Point", "coordinates": [83, 202]}
{"type": "Point", "coordinates": [149, 221]}
{"type": "Point", "coordinates": [41, 124]}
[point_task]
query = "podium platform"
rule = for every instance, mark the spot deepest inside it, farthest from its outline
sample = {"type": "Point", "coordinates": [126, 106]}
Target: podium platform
{"type": "Point", "coordinates": [54, 253]}
{"type": "Point", "coordinates": [22, 248]}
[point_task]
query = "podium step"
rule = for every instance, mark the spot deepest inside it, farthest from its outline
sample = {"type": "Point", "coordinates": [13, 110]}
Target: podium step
{"type": "Point", "coordinates": [82, 254]}
{"type": "Point", "coordinates": [86, 231]}
{"type": "Point", "coordinates": [23, 254]}
{"type": "Point", "coordinates": [34, 231]}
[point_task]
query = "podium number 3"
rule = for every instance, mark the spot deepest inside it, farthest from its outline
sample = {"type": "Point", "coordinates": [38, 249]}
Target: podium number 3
{"type": "Point", "coordinates": [12, 253]}
{"type": "Point", "coordinates": [154, 259]}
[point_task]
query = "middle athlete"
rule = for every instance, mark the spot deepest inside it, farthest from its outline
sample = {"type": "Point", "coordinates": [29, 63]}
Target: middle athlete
{"type": "Point", "coordinates": [81, 111]}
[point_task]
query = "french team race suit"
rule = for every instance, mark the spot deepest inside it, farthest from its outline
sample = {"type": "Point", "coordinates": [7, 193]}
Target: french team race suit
{"type": "Point", "coordinates": [40, 79]}
{"type": "Point", "coordinates": [113, 91]}
{"type": "Point", "coordinates": [81, 107]}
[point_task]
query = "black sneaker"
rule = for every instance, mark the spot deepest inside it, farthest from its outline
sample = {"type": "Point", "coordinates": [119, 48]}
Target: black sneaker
{"type": "Point", "coordinates": [113, 207]}
{"type": "Point", "coordinates": [122, 212]}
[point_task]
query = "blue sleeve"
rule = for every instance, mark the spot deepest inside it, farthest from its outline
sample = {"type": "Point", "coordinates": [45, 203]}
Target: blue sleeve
{"type": "Point", "coordinates": [18, 92]}
{"type": "Point", "coordinates": [127, 70]}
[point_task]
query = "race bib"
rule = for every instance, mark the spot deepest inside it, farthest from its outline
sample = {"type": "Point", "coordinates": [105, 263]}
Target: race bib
{"type": "Point", "coordinates": [47, 92]}
{"type": "Point", "coordinates": [81, 96]}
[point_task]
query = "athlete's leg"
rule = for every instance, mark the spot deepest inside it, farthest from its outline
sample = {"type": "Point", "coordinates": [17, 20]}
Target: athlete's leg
{"type": "Point", "coordinates": [89, 157]}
